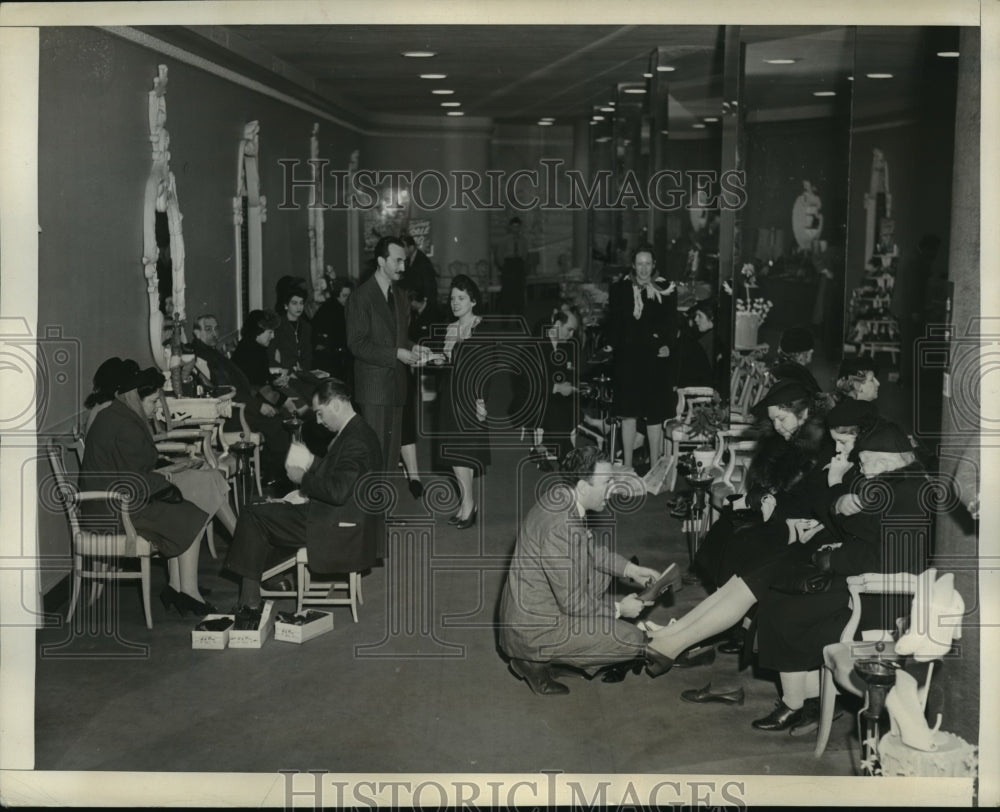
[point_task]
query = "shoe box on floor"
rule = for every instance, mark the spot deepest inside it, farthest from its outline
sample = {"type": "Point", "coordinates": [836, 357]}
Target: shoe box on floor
{"type": "Point", "coordinates": [293, 633]}
{"type": "Point", "coordinates": [254, 638]}
{"type": "Point", "coordinates": [212, 640]}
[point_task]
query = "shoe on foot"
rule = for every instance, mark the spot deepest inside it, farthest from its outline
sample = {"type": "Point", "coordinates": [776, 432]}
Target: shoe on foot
{"type": "Point", "coordinates": [695, 656]}
{"type": "Point", "coordinates": [781, 718]}
{"type": "Point", "coordinates": [538, 677]}
{"type": "Point", "coordinates": [809, 721]}
{"type": "Point", "coordinates": [706, 694]}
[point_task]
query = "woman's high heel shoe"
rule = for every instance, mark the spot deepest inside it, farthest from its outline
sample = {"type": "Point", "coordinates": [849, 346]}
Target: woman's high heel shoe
{"type": "Point", "coordinates": [906, 714]}
{"type": "Point", "coordinates": [185, 603]}
{"type": "Point", "coordinates": [467, 522]}
{"type": "Point", "coordinates": [657, 664]}
{"type": "Point", "coordinates": [168, 596]}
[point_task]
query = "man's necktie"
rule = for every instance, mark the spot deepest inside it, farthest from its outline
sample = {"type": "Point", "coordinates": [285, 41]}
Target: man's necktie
{"type": "Point", "coordinates": [391, 302]}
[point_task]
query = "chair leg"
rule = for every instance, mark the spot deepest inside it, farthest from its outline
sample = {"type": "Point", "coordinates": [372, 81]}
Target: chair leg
{"type": "Point", "coordinates": [144, 578]}
{"type": "Point", "coordinates": [827, 696]}
{"type": "Point", "coordinates": [352, 586]}
{"type": "Point", "coordinates": [97, 587]}
{"type": "Point", "coordinates": [256, 470]}
{"type": "Point", "coordinates": [361, 597]}
{"type": "Point", "coordinates": [77, 582]}
{"type": "Point", "coordinates": [301, 586]}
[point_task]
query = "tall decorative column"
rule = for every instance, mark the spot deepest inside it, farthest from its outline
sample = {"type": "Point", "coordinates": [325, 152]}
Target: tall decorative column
{"type": "Point", "coordinates": [316, 247]}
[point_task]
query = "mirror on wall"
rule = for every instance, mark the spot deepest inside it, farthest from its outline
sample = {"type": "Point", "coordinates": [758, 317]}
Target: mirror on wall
{"type": "Point", "coordinates": [795, 137]}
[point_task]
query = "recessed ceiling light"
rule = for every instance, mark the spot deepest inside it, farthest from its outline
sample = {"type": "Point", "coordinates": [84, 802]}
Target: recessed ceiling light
{"type": "Point", "coordinates": [546, 118]}
{"type": "Point", "coordinates": [544, 123]}
{"type": "Point", "coordinates": [636, 91]}
{"type": "Point", "coordinates": [451, 104]}
{"type": "Point", "coordinates": [419, 54]}
{"type": "Point", "coordinates": [850, 78]}
{"type": "Point", "coordinates": [442, 92]}
{"type": "Point", "coordinates": [455, 113]}
{"type": "Point", "coordinates": [647, 76]}
{"type": "Point", "coordinates": [879, 75]}
{"type": "Point", "coordinates": [664, 132]}
{"type": "Point", "coordinates": [698, 126]}
{"type": "Point", "coordinates": [603, 139]}
{"type": "Point", "coordinates": [948, 54]}
{"type": "Point", "coordinates": [592, 123]}
{"type": "Point", "coordinates": [598, 118]}
{"type": "Point", "coordinates": [782, 61]}
{"type": "Point", "coordinates": [824, 93]}
{"type": "Point", "coordinates": [665, 68]}
{"type": "Point", "coordinates": [606, 109]}
{"type": "Point", "coordinates": [611, 104]}
{"type": "Point", "coordinates": [711, 119]}
{"type": "Point", "coordinates": [433, 76]}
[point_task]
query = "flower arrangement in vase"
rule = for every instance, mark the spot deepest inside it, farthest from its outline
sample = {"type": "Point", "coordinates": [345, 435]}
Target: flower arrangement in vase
{"type": "Point", "coordinates": [750, 312]}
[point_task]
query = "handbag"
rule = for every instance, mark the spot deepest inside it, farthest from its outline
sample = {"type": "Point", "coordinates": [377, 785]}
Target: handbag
{"type": "Point", "coordinates": [804, 579]}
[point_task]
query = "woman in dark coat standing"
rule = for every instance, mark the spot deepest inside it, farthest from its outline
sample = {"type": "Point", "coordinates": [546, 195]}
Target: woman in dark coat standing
{"type": "Point", "coordinates": [465, 372]}
{"type": "Point", "coordinates": [642, 328]}
{"type": "Point", "coordinates": [120, 451]}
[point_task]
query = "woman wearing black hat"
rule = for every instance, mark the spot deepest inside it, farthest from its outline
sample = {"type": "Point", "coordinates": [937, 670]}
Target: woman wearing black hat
{"type": "Point", "coordinates": [120, 453]}
{"type": "Point", "coordinates": [793, 627]}
{"type": "Point", "coordinates": [795, 353]}
{"type": "Point", "coordinates": [857, 378]}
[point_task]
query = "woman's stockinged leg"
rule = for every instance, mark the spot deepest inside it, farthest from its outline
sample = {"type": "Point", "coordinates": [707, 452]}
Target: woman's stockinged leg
{"type": "Point", "coordinates": [465, 478]}
{"type": "Point", "coordinates": [409, 455]}
{"type": "Point", "coordinates": [654, 433]}
{"type": "Point", "coordinates": [628, 440]}
{"type": "Point", "coordinates": [718, 612]}
{"type": "Point", "coordinates": [187, 567]}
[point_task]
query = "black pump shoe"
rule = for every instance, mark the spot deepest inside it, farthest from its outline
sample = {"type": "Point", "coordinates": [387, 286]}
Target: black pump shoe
{"type": "Point", "coordinates": [185, 603]}
{"type": "Point", "coordinates": [781, 718]}
{"type": "Point", "coordinates": [453, 520]}
{"type": "Point", "coordinates": [466, 523]}
{"type": "Point", "coordinates": [416, 488]}
{"type": "Point", "coordinates": [657, 664]}
{"type": "Point", "coordinates": [168, 596]}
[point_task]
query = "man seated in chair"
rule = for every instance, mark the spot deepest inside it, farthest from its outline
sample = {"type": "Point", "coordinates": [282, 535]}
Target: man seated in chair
{"type": "Point", "coordinates": [261, 417]}
{"type": "Point", "coordinates": [339, 534]}
{"type": "Point", "coordinates": [556, 606]}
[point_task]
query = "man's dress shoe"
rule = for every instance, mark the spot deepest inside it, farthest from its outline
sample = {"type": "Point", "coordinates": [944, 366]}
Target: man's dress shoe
{"type": "Point", "coordinates": [781, 718]}
{"type": "Point", "coordinates": [538, 678]}
{"type": "Point", "coordinates": [702, 695]}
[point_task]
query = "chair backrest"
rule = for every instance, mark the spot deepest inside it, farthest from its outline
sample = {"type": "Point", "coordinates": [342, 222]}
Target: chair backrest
{"type": "Point", "coordinates": [688, 396]}
{"type": "Point", "coordinates": [895, 583]}
{"type": "Point", "coordinates": [65, 490]}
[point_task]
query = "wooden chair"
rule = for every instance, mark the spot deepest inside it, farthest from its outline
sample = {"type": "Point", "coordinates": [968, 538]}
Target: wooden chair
{"type": "Point", "coordinates": [839, 658]}
{"type": "Point", "coordinates": [315, 593]}
{"type": "Point", "coordinates": [97, 546]}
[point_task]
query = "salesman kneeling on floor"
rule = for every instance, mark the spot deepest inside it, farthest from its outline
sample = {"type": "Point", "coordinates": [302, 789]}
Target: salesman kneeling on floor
{"type": "Point", "coordinates": [556, 608]}
{"type": "Point", "coordinates": [334, 527]}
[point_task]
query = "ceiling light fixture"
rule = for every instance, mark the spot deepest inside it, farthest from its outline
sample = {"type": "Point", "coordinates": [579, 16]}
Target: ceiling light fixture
{"type": "Point", "coordinates": [850, 78]}
{"type": "Point", "coordinates": [665, 68]}
{"type": "Point", "coordinates": [606, 109]}
{"type": "Point", "coordinates": [433, 76]}
{"type": "Point", "coordinates": [635, 91]}
{"type": "Point", "coordinates": [546, 118]}
{"type": "Point", "coordinates": [455, 113]}
{"type": "Point", "coordinates": [598, 118]}
{"type": "Point", "coordinates": [698, 126]}
{"type": "Point", "coordinates": [664, 132]}
{"type": "Point", "coordinates": [544, 123]}
{"type": "Point", "coordinates": [824, 93]}
{"type": "Point", "coordinates": [442, 92]}
{"type": "Point", "coordinates": [879, 75]}
{"type": "Point", "coordinates": [948, 54]}
{"type": "Point", "coordinates": [647, 76]}
{"type": "Point", "coordinates": [603, 139]}
{"type": "Point", "coordinates": [451, 104]}
{"type": "Point", "coordinates": [782, 61]}
{"type": "Point", "coordinates": [419, 54]}
{"type": "Point", "coordinates": [711, 119]}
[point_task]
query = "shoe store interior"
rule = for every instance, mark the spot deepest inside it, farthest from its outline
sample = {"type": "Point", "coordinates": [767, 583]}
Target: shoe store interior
{"type": "Point", "coordinates": [720, 283]}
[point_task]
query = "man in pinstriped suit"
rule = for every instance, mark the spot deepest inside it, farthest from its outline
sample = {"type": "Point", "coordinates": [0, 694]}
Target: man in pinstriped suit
{"type": "Point", "coordinates": [377, 319]}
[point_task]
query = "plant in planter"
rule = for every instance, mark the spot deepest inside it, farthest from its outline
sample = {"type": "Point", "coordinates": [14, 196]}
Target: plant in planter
{"type": "Point", "coordinates": [706, 420]}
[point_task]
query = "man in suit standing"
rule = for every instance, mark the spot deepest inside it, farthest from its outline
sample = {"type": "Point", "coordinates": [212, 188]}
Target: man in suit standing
{"type": "Point", "coordinates": [418, 275]}
{"type": "Point", "coordinates": [557, 607]}
{"type": "Point", "coordinates": [334, 526]}
{"type": "Point", "coordinates": [377, 320]}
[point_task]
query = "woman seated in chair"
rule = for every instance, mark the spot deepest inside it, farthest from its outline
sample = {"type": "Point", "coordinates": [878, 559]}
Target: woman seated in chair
{"type": "Point", "coordinates": [120, 454]}
{"type": "Point", "coordinates": [802, 593]}
{"type": "Point", "coordinates": [788, 463]}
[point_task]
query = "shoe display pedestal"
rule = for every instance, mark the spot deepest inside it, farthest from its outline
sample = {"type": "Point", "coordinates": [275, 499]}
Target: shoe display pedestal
{"type": "Point", "coordinates": [293, 633]}
{"type": "Point", "coordinates": [953, 758]}
{"type": "Point", "coordinates": [254, 638]}
{"type": "Point", "coordinates": [214, 641]}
